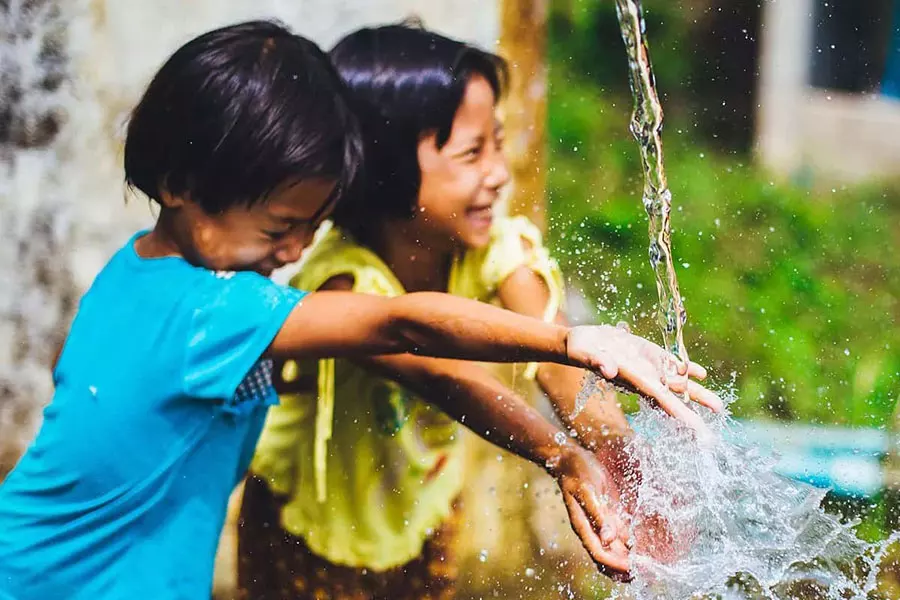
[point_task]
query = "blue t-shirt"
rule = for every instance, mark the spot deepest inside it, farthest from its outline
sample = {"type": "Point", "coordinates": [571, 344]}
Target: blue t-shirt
{"type": "Point", "coordinates": [160, 397]}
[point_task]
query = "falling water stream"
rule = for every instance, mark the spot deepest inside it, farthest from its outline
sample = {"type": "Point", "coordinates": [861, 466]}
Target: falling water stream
{"type": "Point", "coordinates": [733, 529]}
{"type": "Point", "coordinates": [646, 127]}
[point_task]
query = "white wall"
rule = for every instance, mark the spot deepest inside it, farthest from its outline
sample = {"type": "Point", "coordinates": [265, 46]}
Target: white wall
{"type": "Point", "coordinates": [62, 209]}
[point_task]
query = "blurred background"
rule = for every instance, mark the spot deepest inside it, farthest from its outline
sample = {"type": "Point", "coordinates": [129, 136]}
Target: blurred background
{"type": "Point", "coordinates": [782, 140]}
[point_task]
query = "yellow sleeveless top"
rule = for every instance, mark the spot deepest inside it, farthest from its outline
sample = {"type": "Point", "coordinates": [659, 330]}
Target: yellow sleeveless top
{"type": "Point", "coordinates": [370, 470]}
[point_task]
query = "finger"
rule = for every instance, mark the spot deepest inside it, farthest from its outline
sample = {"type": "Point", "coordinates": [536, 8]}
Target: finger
{"type": "Point", "coordinates": [677, 385]}
{"type": "Point", "coordinates": [696, 392]}
{"type": "Point", "coordinates": [613, 561]}
{"type": "Point", "coordinates": [600, 513]}
{"type": "Point", "coordinates": [701, 395]}
{"type": "Point", "coordinates": [597, 510]}
{"type": "Point", "coordinates": [696, 371]}
{"type": "Point", "coordinates": [673, 405]}
{"type": "Point", "coordinates": [608, 534]}
{"type": "Point", "coordinates": [605, 364]}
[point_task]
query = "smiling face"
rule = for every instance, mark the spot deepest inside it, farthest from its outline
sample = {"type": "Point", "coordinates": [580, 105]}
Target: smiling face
{"type": "Point", "coordinates": [263, 237]}
{"type": "Point", "coordinates": [461, 181]}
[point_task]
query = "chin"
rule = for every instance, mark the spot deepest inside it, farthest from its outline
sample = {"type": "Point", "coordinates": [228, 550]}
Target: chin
{"type": "Point", "coordinates": [477, 240]}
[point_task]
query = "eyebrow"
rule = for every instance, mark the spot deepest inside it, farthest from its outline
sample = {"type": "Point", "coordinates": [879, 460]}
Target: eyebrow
{"type": "Point", "coordinates": [476, 141]}
{"type": "Point", "coordinates": [331, 201]}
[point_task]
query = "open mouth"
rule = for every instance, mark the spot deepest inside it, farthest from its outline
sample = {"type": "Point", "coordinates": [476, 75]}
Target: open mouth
{"type": "Point", "coordinates": [480, 216]}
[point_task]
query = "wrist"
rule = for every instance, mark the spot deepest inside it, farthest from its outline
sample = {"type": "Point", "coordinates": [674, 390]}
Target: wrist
{"type": "Point", "coordinates": [605, 438]}
{"type": "Point", "coordinates": [558, 459]}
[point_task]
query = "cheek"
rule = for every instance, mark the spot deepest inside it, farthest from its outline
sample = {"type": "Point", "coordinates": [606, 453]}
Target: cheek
{"type": "Point", "coordinates": [250, 253]}
{"type": "Point", "coordinates": [449, 195]}
{"type": "Point", "coordinates": [229, 250]}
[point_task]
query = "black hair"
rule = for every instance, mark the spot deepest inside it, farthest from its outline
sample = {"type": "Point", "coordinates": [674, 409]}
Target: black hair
{"type": "Point", "coordinates": [404, 82]}
{"type": "Point", "coordinates": [238, 111]}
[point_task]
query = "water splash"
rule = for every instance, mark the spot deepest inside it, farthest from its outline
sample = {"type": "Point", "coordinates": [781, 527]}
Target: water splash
{"type": "Point", "coordinates": [733, 528]}
{"type": "Point", "coordinates": [713, 519]}
{"type": "Point", "coordinates": [646, 127]}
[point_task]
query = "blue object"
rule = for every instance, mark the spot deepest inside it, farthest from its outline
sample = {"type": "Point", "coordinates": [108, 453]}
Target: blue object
{"type": "Point", "coordinates": [890, 84]}
{"type": "Point", "coordinates": [846, 460]}
{"type": "Point", "coordinates": [160, 398]}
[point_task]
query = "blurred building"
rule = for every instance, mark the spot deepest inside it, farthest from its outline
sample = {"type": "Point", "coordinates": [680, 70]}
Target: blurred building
{"type": "Point", "coordinates": [829, 82]}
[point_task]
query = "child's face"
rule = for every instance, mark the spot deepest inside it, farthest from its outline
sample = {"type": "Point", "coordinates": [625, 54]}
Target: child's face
{"type": "Point", "coordinates": [461, 182]}
{"type": "Point", "coordinates": [261, 238]}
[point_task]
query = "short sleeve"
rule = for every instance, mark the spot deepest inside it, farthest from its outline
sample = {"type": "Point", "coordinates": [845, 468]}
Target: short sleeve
{"type": "Point", "coordinates": [234, 320]}
{"type": "Point", "coordinates": [516, 242]}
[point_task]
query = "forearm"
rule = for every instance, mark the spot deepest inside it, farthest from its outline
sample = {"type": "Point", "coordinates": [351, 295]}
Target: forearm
{"type": "Point", "coordinates": [599, 422]}
{"type": "Point", "coordinates": [441, 325]}
{"type": "Point", "coordinates": [344, 324]}
{"type": "Point", "coordinates": [472, 396]}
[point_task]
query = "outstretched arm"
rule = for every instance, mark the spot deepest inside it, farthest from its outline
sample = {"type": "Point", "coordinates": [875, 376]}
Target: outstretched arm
{"type": "Point", "coordinates": [471, 395]}
{"type": "Point", "coordinates": [345, 324]}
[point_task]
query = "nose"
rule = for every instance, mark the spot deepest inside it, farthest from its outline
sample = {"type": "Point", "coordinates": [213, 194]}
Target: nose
{"type": "Point", "coordinates": [497, 171]}
{"type": "Point", "coordinates": [291, 248]}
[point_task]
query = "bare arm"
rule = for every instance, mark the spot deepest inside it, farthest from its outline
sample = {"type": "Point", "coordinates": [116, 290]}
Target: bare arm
{"type": "Point", "coordinates": [56, 356]}
{"type": "Point", "coordinates": [471, 395]}
{"type": "Point", "coordinates": [525, 292]}
{"type": "Point", "coordinates": [345, 324]}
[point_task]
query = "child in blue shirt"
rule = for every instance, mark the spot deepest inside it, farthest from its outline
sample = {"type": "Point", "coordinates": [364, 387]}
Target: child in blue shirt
{"type": "Point", "coordinates": [246, 142]}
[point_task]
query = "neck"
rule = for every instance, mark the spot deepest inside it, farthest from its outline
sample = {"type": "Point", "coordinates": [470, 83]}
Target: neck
{"type": "Point", "coordinates": [160, 242]}
{"type": "Point", "coordinates": [419, 265]}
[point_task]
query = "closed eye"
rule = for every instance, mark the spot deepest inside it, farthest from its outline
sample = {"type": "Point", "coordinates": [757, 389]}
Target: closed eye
{"type": "Point", "coordinates": [276, 235]}
{"type": "Point", "coordinates": [472, 153]}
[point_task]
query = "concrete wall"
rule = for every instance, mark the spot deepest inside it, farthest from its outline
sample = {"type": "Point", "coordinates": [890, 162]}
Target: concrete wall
{"type": "Point", "coordinates": [69, 73]}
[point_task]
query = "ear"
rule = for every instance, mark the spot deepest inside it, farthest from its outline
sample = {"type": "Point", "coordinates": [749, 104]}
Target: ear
{"type": "Point", "coordinates": [168, 200]}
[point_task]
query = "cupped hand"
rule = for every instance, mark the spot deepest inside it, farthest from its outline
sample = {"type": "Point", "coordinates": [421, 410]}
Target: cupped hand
{"type": "Point", "coordinates": [637, 365]}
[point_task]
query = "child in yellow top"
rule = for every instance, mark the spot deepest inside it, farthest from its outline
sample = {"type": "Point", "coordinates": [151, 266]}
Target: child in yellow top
{"type": "Point", "coordinates": [356, 474]}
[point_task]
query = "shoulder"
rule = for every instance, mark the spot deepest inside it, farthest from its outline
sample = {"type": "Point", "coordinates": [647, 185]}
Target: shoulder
{"type": "Point", "coordinates": [237, 292]}
{"type": "Point", "coordinates": [515, 242]}
{"type": "Point", "coordinates": [518, 230]}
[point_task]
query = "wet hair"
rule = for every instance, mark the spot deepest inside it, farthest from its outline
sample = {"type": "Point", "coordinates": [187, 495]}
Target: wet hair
{"type": "Point", "coordinates": [236, 113]}
{"type": "Point", "coordinates": [404, 82]}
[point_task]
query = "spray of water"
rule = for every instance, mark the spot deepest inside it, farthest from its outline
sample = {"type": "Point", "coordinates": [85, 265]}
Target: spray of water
{"type": "Point", "coordinates": [733, 527]}
{"type": "Point", "coordinates": [646, 127]}
{"type": "Point", "coordinates": [713, 519]}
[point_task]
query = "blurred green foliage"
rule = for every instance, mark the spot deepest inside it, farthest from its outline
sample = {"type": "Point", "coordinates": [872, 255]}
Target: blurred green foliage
{"type": "Point", "coordinates": [791, 288]}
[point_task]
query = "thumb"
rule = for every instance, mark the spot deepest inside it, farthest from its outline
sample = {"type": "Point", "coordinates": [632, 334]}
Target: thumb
{"type": "Point", "coordinates": [606, 364]}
